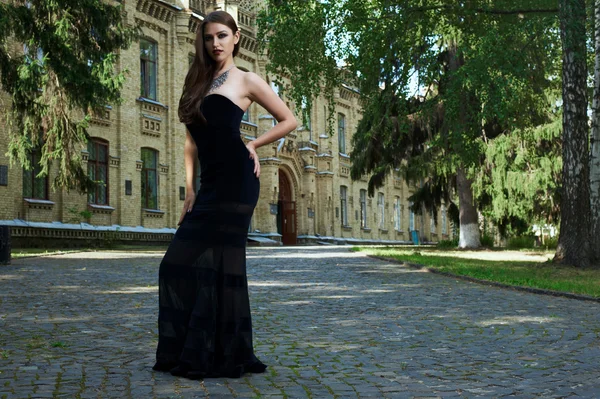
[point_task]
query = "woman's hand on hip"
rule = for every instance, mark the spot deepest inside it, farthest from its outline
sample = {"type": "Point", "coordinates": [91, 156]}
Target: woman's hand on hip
{"type": "Point", "coordinates": [254, 156]}
{"type": "Point", "coordinates": [188, 204]}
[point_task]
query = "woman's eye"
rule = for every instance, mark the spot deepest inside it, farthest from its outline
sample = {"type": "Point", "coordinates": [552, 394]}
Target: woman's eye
{"type": "Point", "coordinates": [222, 36]}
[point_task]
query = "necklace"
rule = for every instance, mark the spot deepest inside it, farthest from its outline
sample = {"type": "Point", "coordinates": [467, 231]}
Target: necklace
{"type": "Point", "coordinates": [219, 80]}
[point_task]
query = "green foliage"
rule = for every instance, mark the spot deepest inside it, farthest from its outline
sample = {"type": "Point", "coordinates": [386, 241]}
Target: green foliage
{"type": "Point", "coordinates": [487, 241]}
{"type": "Point", "coordinates": [57, 62]}
{"type": "Point", "coordinates": [478, 64]}
{"type": "Point", "coordinates": [521, 242]}
{"type": "Point", "coordinates": [448, 244]}
{"type": "Point", "coordinates": [519, 182]}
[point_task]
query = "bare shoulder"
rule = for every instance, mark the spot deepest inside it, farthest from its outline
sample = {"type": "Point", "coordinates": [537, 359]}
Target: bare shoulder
{"type": "Point", "coordinates": [253, 79]}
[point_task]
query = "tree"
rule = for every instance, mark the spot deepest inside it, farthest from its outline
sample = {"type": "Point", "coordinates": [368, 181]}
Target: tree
{"type": "Point", "coordinates": [480, 66]}
{"type": "Point", "coordinates": [595, 141]}
{"type": "Point", "coordinates": [574, 240]}
{"type": "Point", "coordinates": [57, 63]}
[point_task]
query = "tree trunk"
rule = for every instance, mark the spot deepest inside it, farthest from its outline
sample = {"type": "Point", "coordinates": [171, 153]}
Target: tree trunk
{"type": "Point", "coordinates": [595, 143]}
{"type": "Point", "coordinates": [574, 241]}
{"type": "Point", "coordinates": [469, 223]}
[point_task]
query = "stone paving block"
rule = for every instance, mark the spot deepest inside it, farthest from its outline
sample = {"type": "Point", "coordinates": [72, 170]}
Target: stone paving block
{"type": "Point", "coordinates": [329, 321]}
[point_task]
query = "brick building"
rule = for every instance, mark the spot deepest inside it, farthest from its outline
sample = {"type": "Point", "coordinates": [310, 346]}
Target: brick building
{"type": "Point", "coordinates": [137, 150]}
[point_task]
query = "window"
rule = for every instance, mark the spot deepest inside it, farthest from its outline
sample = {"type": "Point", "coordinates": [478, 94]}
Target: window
{"type": "Point", "coordinates": [246, 116]}
{"type": "Point", "coordinates": [381, 205]}
{"type": "Point", "coordinates": [432, 225]}
{"type": "Point", "coordinates": [98, 171]}
{"type": "Point", "coordinates": [363, 209]}
{"type": "Point", "coordinates": [148, 69]}
{"type": "Point", "coordinates": [149, 178]}
{"type": "Point", "coordinates": [344, 204]}
{"type": "Point", "coordinates": [397, 214]}
{"type": "Point", "coordinates": [307, 119]}
{"type": "Point", "coordinates": [276, 89]}
{"type": "Point", "coordinates": [444, 220]}
{"type": "Point", "coordinates": [412, 219]}
{"type": "Point", "coordinates": [35, 187]}
{"type": "Point", "coordinates": [342, 133]}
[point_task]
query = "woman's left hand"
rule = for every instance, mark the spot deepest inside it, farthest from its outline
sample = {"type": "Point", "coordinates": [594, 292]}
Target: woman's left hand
{"type": "Point", "coordinates": [254, 156]}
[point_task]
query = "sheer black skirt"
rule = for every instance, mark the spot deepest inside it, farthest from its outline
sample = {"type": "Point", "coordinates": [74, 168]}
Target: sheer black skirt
{"type": "Point", "coordinates": [204, 322]}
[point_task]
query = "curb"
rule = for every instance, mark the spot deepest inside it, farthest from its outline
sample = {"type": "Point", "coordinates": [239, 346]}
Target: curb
{"type": "Point", "coordinates": [531, 290]}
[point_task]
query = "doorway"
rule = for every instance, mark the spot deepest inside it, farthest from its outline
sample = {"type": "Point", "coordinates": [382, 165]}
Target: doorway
{"type": "Point", "coordinates": [286, 211]}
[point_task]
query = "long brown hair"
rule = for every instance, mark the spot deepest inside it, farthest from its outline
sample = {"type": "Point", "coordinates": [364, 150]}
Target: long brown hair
{"type": "Point", "coordinates": [200, 76]}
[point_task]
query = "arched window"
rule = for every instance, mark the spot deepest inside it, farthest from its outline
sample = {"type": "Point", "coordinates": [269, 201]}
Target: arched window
{"type": "Point", "coordinates": [149, 178]}
{"type": "Point", "coordinates": [98, 171]}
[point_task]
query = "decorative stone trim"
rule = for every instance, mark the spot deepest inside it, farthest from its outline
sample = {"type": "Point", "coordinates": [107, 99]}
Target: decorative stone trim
{"type": "Point", "coordinates": [139, 165]}
{"type": "Point", "coordinates": [151, 25]}
{"type": "Point", "coordinates": [310, 169]}
{"type": "Point", "coordinates": [164, 169]}
{"type": "Point", "coordinates": [324, 155]}
{"type": "Point", "coordinates": [397, 183]}
{"type": "Point", "coordinates": [344, 170]}
{"type": "Point", "coordinates": [151, 125]}
{"type": "Point", "coordinates": [248, 42]}
{"type": "Point", "coordinates": [346, 228]}
{"type": "Point", "coordinates": [325, 174]}
{"type": "Point", "coordinates": [85, 155]}
{"type": "Point", "coordinates": [342, 155]}
{"type": "Point", "coordinates": [383, 231]}
{"type": "Point", "coordinates": [115, 162]}
{"type": "Point", "coordinates": [249, 128]}
{"type": "Point", "coordinates": [271, 161]}
{"type": "Point", "coordinates": [44, 205]}
{"type": "Point", "coordinates": [151, 105]}
{"type": "Point", "coordinates": [101, 209]}
{"type": "Point", "coordinates": [366, 229]}
{"type": "Point", "coordinates": [153, 213]}
{"type": "Point", "coordinates": [157, 9]}
{"type": "Point", "coordinates": [102, 119]}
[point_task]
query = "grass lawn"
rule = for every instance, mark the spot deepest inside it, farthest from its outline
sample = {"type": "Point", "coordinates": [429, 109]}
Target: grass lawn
{"type": "Point", "coordinates": [515, 268]}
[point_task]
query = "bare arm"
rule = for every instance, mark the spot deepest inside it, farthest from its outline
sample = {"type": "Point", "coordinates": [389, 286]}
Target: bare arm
{"type": "Point", "coordinates": [260, 92]}
{"type": "Point", "coordinates": [190, 156]}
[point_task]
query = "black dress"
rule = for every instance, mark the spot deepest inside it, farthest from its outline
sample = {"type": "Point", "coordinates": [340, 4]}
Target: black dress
{"type": "Point", "coordinates": [204, 322]}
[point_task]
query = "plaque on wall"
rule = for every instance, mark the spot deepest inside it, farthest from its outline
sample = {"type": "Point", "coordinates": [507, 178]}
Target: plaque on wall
{"type": "Point", "coordinates": [273, 208]}
{"type": "Point", "coordinates": [128, 187]}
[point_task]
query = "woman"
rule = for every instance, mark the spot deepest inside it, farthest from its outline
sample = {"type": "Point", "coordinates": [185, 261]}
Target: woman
{"type": "Point", "coordinates": [204, 313]}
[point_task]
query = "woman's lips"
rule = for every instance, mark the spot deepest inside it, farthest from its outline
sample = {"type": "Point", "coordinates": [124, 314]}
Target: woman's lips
{"type": "Point", "coordinates": [217, 52]}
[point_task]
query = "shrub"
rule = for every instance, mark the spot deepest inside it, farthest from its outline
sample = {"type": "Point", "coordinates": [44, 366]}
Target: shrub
{"type": "Point", "coordinates": [448, 243]}
{"type": "Point", "coordinates": [551, 243]}
{"type": "Point", "coordinates": [487, 241]}
{"type": "Point", "coordinates": [521, 242]}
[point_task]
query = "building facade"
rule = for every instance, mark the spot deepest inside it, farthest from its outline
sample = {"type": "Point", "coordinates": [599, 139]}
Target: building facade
{"type": "Point", "coordinates": [136, 149]}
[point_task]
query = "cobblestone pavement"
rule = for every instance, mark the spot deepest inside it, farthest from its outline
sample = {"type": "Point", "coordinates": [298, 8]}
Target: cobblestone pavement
{"type": "Point", "coordinates": [328, 322]}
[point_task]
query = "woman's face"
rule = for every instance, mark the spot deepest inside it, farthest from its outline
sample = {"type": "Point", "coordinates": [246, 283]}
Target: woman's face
{"type": "Point", "coordinates": [219, 40]}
